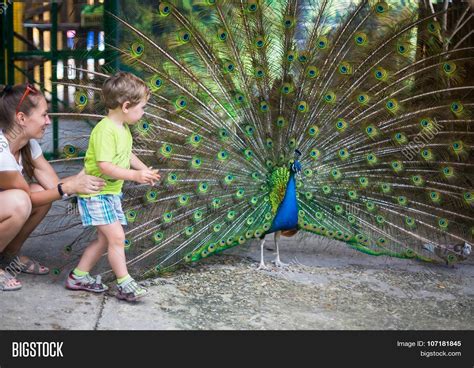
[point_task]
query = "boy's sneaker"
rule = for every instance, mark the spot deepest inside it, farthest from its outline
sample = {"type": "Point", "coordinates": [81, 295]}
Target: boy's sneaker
{"type": "Point", "coordinates": [130, 291]}
{"type": "Point", "coordinates": [86, 282]}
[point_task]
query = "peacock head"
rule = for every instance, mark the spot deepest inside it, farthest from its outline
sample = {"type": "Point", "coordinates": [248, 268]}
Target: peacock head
{"type": "Point", "coordinates": [295, 164]}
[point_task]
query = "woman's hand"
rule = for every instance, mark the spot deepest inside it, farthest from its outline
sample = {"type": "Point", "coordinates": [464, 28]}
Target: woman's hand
{"type": "Point", "coordinates": [84, 184]}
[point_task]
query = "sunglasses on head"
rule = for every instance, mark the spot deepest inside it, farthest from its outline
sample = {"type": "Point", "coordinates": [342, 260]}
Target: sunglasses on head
{"type": "Point", "coordinates": [29, 89]}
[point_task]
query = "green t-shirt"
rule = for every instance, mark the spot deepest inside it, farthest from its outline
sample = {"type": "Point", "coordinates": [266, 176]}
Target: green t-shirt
{"type": "Point", "coordinates": [110, 143]}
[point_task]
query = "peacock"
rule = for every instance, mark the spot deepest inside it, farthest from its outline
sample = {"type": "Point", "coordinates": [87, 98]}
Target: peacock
{"type": "Point", "coordinates": [349, 121]}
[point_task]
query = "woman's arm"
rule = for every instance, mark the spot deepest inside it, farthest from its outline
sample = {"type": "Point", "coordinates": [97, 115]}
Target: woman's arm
{"type": "Point", "coordinates": [14, 180]}
{"type": "Point", "coordinates": [45, 173]}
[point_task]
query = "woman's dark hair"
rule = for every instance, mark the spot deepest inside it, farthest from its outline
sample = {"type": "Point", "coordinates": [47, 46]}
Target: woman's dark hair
{"type": "Point", "coordinates": [14, 99]}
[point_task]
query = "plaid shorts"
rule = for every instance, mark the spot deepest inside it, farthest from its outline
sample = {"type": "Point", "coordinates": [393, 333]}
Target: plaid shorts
{"type": "Point", "coordinates": [103, 209]}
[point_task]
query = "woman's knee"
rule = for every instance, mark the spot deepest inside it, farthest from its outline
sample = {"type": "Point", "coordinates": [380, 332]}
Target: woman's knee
{"type": "Point", "coordinates": [19, 204]}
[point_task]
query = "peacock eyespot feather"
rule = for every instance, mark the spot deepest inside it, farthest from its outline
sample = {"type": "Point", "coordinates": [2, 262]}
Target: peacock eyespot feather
{"type": "Point", "coordinates": [433, 27]}
{"type": "Point", "coordinates": [166, 150]}
{"type": "Point", "coordinates": [386, 188]}
{"type": "Point", "coordinates": [184, 36]}
{"type": "Point", "coordinates": [164, 9]}
{"type": "Point", "coordinates": [361, 39]}
{"type": "Point", "coordinates": [222, 155]}
{"type": "Point", "coordinates": [341, 125]}
{"type": "Point", "coordinates": [259, 42]}
{"type": "Point", "coordinates": [292, 143]}
{"type": "Point", "coordinates": [303, 57]}
{"type": "Point", "coordinates": [158, 237]}
{"type": "Point", "coordinates": [70, 151]}
{"type": "Point", "coordinates": [380, 74]}
{"type": "Point", "coordinates": [183, 200]}
{"type": "Point", "coordinates": [302, 106]}
{"type": "Point", "coordinates": [381, 8]}
{"type": "Point", "coordinates": [315, 154]}
{"type": "Point", "coordinates": [81, 99]}
{"type": "Point", "coordinates": [443, 223]}
{"type": "Point", "coordinates": [392, 105]}
{"type": "Point", "coordinates": [402, 200]}
{"type": "Point", "coordinates": [380, 219]}
{"type": "Point", "coordinates": [196, 162]}
{"type": "Point", "coordinates": [289, 22]}
{"type": "Point", "coordinates": [222, 35]}
{"type": "Point", "coordinates": [449, 68]}
{"type": "Point", "coordinates": [269, 143]}
{"type": "Point", "coordinates": [313, 131]}
{"type": "Point", "coordinates": [229, 178]}
{"type": "Point", "coordinates": [448, 172]}
{"type": "Point", "coordinates": [264, 107]}
{"type": "Point", "coordinates": [457, 107]}
{"type": "Point", "coordinates": [291, 56]}
{"type": "Point", "coordinates": [203, 187]}
{"type": "Point", "coordinates": [457, 146]}
{"type": "Point", "coordinates": [371, 158]}
{"type": "Point", "coordinates": [322, 42]}
{"type": "Point", "coordinates": [397, 166]}
{"type": "Point", "coordinates": [400, 138]}
{"type": "Point", "coordinates": [252, 6]}
{"type": "Point", "coordinates": [223, 134]}
{"type": "Point", "coordinates": [417, 180]}
{"type": "Point", "coordinates": [280, 122]}
{"type": "Point", "coordinates": [137, 49]}
{"type": "Point", "coordinates": [229, 67]}
{"type": "Point", "coordinates": [248, 154]}
{"type": "Point", "coordinates": [469, 197]}
{"type": "Point", "coordinates": [410, 221]}
{"type": "Point", "coordinates": [287, 88]}
{"type": "Point", "coordinates": [151, 196]}
{"type": "Point", "coordinates": [330, 97]}
{"type": "Point", "coordinates": [239, 98]}
{"type": "Point", "coordinates": [216, 203]}
{"type": "Point", "coordinates": [343, 153]}
{"type": "Point", "coordinates": [312, 71]}
{"type": "Point", "coordinates": [345, 68]}
{"type": "Point", "coordinates": [435, 196]}
{"type": "Point", "coordinates": [427, 154]}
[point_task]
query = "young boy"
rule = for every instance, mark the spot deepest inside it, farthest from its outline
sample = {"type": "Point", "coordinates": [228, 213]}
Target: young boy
{"type": "Point", "coordinates": [110, 157]}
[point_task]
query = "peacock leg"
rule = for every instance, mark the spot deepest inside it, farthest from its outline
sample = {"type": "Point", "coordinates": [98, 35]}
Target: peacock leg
{"type": "Point", "coordinates": [277, 261]}
{"type": "Point", "coordinates": [262, 264]}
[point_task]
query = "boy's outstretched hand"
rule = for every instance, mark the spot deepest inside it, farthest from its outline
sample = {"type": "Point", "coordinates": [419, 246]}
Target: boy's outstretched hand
{"type": "Point", "coordinates": [146, 176]}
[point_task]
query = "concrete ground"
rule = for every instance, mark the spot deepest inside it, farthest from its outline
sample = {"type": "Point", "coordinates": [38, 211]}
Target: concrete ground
{"type": "Point", "coordinates": [326, 286]}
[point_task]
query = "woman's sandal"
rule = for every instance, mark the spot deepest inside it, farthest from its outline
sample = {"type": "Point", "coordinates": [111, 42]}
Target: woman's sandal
{"type": "Point", "coordinates": [16, 264]}
{"type": "Point", "coordinates": [26, 268]}
{"type": "Point", "coordinates": [8, 282]}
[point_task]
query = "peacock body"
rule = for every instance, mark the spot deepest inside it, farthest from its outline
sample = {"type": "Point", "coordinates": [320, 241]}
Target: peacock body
{"type": "Point", "coordinates": [349, 122]}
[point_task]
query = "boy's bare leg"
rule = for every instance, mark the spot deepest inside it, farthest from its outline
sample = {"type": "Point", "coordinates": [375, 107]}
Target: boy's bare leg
{"type": "Point", "coordinates": [93, 252]}
{"type": "Point", "coordinates": [115, 237]}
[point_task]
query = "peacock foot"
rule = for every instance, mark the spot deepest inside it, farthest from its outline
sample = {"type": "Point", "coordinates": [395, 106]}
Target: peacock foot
{"type": "Point", "coordinates": [279, 263]}
{"type": "Point", "coordinates": [262, 267]}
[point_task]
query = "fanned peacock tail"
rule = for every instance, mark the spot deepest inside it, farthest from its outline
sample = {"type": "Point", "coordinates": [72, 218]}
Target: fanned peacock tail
{"type": "Point", "coordinates": [374, 102]}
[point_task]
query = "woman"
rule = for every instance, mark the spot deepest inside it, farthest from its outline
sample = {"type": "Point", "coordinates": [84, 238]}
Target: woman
{"type": "Point", "coordinates": [23, 205]}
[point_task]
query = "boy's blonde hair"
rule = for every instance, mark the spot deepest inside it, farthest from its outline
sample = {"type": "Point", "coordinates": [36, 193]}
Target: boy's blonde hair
{"type": "Point", "coordinates": [123, 87]}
